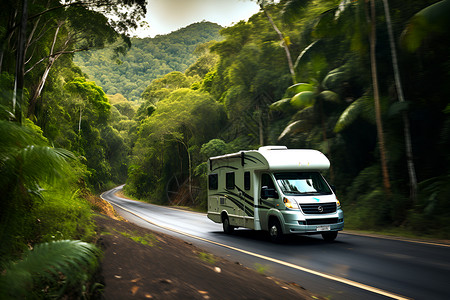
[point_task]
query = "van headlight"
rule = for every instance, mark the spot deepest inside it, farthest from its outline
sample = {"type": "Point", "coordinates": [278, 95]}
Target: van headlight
{"type": "Point", "coordinates": [338, 203]}
{"type": "Point", "coordinates": [292, 204]}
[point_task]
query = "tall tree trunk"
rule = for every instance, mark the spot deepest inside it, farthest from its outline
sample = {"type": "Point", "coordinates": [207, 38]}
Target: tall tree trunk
{"type": "Point", "coordinates": [186, 146]}
{"type": "Point", "coordinates": [5, 44]}
{"type": "Point", "coordinates": [380, 132]}
{"type": "Point", "coordinates": [284, 44]}
{"type": "Point", "coordinates": [51, 60]}
{"type": "Point", "coordinates": [37, 92]}
{"type": "Point", "coordinates": [20, 63]}
{"type": "Point", "coordinates": [325, 138]}
{"type": "Point", "coordinates": [406, 126]}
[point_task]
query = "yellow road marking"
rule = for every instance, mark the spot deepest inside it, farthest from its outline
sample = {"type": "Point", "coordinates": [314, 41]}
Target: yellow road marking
{"type": "Point", "coordinates": [287, 264]}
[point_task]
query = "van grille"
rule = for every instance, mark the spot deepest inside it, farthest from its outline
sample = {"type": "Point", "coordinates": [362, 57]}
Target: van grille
{"type": "Point", "coordinates": [319, 208]}
{"type": "Point", "coordinates": [321, 221]}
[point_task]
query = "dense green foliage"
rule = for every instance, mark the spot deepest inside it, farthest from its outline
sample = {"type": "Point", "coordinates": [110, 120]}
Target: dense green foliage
{"type": "Point", "coordinates": [325, 101]}
{"type": "Point", "coordinates": [62, 137]}
{"type": "Point", "coordinates": [146, 60]}
{"type": "Point", "coordinates": [60, 141]}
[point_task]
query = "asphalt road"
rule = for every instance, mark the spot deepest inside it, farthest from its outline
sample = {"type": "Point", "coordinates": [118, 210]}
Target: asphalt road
{"type": "Point", "coordinates": [352, 267]}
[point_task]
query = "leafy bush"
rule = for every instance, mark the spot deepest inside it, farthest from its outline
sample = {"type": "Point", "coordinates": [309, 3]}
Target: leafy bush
{"type": "Point", "coordinates": [63, 216]}
{"type": "Point", "coordinates": [368, 212]}
{"type": "Point", "coordinates": [431, 214]}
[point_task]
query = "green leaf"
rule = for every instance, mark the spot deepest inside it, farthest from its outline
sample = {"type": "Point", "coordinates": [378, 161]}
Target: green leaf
{"type": "Point", "coordinates": [362, 107]}
{"type": "Point", "coordinates": [398, 107]}
{"type": "Point", "coordinates": [303, 99]}
{"type": "Point", "coordinates": [447, 109]}
{"type": "Point", "coordinates": [295, 127]}
{"type": "Point", "coordinates": [304, 54]}
{"type": "Point", "coordinates": [432, 19]}
{"type": "Point", "coordinates": [333, 79]}
{"type": "Point", "coordinates": [283, 105]}
{"type": "Point", "coordinates": [303, 121]}
{"type": "Point", "coordinates": [329, 96]}
{"type": "Point", "coordinates": [27, 159]}
{"type": "Point", "coordinates": [298, 88]}
{"type": "Point", "coordinates": [292, 10]}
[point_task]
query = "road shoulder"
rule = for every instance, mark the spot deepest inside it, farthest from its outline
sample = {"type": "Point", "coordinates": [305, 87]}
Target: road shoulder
{"type": "Point", "coordinates": [144, 264]}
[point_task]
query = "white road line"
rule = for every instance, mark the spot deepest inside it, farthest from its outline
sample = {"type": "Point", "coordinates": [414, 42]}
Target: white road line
{"type": "Point", "coordinates": [287, 264]}
{"type": "Point", "coordinates": [393, 238]}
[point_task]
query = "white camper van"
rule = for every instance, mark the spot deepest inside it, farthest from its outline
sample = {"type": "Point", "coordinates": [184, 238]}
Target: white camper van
{"type": "Point", "coordinates": [275, 189]}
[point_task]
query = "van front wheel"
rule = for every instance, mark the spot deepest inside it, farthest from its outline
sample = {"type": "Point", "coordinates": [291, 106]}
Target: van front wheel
{"type": "Point", "coordinates": [227, 228]}
{"type": "Point", "coordinates": [275, 231]}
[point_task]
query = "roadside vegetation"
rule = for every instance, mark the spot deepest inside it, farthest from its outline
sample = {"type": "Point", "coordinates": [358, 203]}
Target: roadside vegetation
{"type": "Point", "coordinates": [329, 75]}
{"type": "Point", "coordinates": [60, 144]}
{"type": "Point", "coordinates": [305, 74]}
{"type": "Point", "coordinates": [147, 240]}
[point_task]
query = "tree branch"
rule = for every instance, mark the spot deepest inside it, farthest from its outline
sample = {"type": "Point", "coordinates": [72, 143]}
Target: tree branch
{"type": "Point", "coordinates": [54, 55]}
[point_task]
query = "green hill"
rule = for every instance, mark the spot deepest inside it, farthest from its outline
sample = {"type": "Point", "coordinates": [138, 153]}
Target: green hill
{"type": "Point", "coordinates": [146, 60]}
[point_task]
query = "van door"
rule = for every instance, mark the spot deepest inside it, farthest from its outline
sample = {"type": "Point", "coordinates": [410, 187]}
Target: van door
{"type": "Point", "coordinates": [268, 197]}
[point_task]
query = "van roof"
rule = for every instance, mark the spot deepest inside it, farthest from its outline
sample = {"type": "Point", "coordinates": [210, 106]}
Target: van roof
{"type": "Point", "coordinates": [280, 158]}
{"type": "Point", "coordinates": [294, 159]}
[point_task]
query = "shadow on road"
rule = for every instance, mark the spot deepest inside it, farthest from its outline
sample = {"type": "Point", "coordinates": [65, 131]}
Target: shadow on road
{"type": "Point", "coordinates": [291, 240]}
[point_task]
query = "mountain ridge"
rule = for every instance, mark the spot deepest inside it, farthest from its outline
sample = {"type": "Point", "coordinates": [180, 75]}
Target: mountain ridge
{"type": "Point", "coordinates": [146, 60]}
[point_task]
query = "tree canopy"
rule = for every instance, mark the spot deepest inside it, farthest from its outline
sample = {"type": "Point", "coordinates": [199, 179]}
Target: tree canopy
{"type": "Point", "coordinates": [331, 105]}
{"type": "Point", "coordinates": [78, 119]}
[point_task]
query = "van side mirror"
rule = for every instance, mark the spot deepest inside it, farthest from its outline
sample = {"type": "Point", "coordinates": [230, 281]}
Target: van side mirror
{"type": "Point", "coordinates": [267, 192]}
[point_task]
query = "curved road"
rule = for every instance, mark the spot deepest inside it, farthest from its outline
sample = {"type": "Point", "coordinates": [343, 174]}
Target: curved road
{"type": "Point", "coordinates": [353, 267]}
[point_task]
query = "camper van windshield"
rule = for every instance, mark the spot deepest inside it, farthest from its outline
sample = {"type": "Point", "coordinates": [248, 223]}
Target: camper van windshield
{"type": "Point", "coordinates": [302, 183]}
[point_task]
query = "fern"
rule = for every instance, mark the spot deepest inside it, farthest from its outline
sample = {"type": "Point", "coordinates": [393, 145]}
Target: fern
{"type": "Point", "coordinates": [59, 264]}
{"type": "Point", "coordinates": [26, 158]}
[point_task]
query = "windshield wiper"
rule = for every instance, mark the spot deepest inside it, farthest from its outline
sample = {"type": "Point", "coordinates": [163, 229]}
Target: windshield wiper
{"type": "Point", "coordinates": [317, 193]}
{"type": "Point", "coordinates": [292, 192]}
{"type": "Point", "coordinates": [306, 193]}
{"type": "Point", "coordinates": [301, 193]}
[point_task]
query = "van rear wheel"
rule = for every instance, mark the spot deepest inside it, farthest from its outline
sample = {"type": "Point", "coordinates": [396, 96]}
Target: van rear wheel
{"type": "Point", "coordinates": [275, 231]}
{"type": "Point", "coordinates": [329, 236]}
{"type": "Point", "coordinates": [227, 228]}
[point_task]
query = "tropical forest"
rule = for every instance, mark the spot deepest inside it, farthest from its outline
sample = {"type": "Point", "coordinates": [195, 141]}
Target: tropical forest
{"type": "Point", "coordinates": [85, 107]}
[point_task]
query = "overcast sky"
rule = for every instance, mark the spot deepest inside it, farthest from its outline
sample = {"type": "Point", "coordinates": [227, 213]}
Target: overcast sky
{"type": "Point", "coordinates": [165, 16]}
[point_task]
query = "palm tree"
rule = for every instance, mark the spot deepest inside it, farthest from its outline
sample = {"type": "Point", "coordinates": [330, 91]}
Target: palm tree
{"type": "Point", "coordinates": [401, 99]}
{"type": "Point", "coordinates": [308, 102]}
{"type": "Point", "coordinates": [376, 95]}
{"type": "Point", "coordinates": [337, 13]}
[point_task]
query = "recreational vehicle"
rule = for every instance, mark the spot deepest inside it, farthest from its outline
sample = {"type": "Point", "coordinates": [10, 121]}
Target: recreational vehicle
{"type": "Point", "coordinates": [276, 189]}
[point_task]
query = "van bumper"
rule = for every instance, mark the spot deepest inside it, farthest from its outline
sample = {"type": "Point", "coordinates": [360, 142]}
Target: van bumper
{"type": "Point", "coordinates": [296, 222]}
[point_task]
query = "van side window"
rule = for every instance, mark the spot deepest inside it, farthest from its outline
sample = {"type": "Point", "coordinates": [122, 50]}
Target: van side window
{"type": "Point", "coordinates": [266, 180]}
{"type": "Point", "coordinates": [213, 181]}
{"type": "Point", "coordinates": [247, 180]}
{"type": "Point", "coordinates": [229, 184]}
